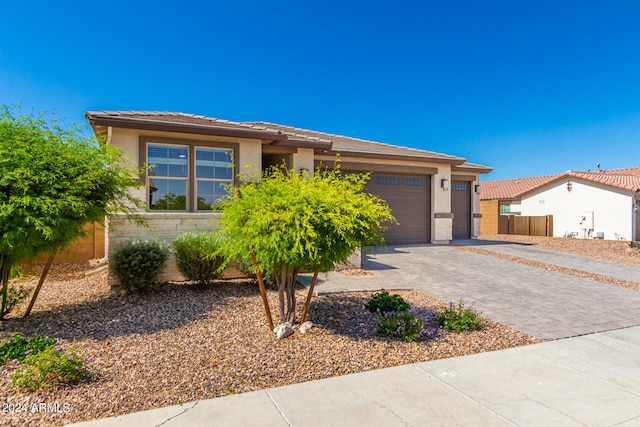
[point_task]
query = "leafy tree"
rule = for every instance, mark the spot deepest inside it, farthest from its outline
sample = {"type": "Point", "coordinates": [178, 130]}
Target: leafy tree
{"type": "Point", "coordinates": [289, 221]}
{"type": "Point", "coordinates": [53, 181]}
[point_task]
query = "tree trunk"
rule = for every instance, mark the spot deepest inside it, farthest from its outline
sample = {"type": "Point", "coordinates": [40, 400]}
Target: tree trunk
{"type": "Point", "coordinates": [309, 295]}
{"type": "Point", "coordinates": [280, 280]}
{"type": "Point", "coordinates": [43, 276]}
{"type": "Point", "coordinates": [286, 279]}
{"type": "Point", "coordinates": [263, 292]}
{"type": "Point", "coordinates": [5, 269]}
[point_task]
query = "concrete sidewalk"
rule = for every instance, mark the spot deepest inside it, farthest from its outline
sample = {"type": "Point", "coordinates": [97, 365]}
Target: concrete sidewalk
{"type": "Point", "coordinates": [592, 380]}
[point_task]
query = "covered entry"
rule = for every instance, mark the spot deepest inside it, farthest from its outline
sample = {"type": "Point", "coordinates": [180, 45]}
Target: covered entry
{"type": "Point", "coordinates": [461, 209]}
{"type": "Point", "coordinates": [409, 197]}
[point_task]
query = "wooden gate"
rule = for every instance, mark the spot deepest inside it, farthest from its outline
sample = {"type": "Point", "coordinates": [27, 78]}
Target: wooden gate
{"type": "Point", "coordinates": [526, 225]}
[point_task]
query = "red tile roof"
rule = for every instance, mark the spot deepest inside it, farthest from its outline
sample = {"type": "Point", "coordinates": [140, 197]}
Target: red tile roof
{"type": "Point", "coordinates": [513, 188]}
{"type": "Point", "coordinates": [623, 178]}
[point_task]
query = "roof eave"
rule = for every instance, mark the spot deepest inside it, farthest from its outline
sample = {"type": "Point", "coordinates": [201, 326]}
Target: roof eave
{"type": "Point", "coordinates": [475, 169]}
{"type": "Point", "coordinates": [317, 145]}
{"type": "Point", "coordinates": [193, 128]}
{"type": "Point", "coordinates": [360, 154]}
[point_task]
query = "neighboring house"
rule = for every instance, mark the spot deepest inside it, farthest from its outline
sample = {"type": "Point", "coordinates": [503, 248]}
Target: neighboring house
{"type": "Point", "coordinates": [593, 204]}
{"type": "Point", "coordinates": [433, 196]}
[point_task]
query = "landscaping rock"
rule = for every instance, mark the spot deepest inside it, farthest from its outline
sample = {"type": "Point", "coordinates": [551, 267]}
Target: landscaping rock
{"type": "Point", "coordinates": [282, 331]}
{"type": "Point", "coordinates": [305, 326]}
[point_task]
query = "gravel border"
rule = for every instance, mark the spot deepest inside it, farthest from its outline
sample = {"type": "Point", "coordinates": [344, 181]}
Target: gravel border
{"type": "Point", "coordinates": [619, 251]}
{"type": "Point", "coordinates": [179, 344]}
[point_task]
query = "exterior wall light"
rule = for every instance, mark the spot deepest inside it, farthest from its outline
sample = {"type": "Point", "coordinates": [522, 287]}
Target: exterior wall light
{"type": "Point", "coordinates": [444, 184]}
{"type": "Point", "coordinates": [477, 188]}
{"type": "Point", "coordinates": [569, 186]}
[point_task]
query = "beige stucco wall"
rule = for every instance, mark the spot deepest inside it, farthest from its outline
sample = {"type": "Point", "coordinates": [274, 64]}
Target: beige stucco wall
{"type": "Point", "coordinates": [441, 228]}
{"type": "Point", "coordinates": [475, 207]}
{"type": "Point", "coordinates": [303, 159]}
{"type": "Point", "coordinates": [250, 150]}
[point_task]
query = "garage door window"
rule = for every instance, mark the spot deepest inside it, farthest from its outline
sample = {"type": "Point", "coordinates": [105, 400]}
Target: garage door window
{"type": "Point", "coordinates": [460, 186]}
{"type": "Point", "coordinates": [386, 179]}
{"type": "Point", "coordinates": [414, 180]}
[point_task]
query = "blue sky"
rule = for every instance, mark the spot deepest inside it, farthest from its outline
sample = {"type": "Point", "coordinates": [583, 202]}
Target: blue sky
{"type": "Point", "coordinates": [529, 88]}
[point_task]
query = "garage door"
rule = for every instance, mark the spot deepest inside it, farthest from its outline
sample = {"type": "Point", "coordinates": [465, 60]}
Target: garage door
{"type": "Point", "coordinates": [461, 209]}
{"type": "Point", "coordinates": [409, 197]}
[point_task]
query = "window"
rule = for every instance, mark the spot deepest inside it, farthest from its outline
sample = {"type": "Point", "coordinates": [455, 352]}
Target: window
{"type": "Point", "coordinates": [414, 180]}
{"type": "Point", "coordinates": [386, 179]}
{"type": "Point", "coordinates": [505, 208]}
{"type": "Point", "coordinates": [168, 176]}
{"type": "Point", "coordinates": [187, 177]}
{"type": "Point", "coordinates": [214, 173]}
{"type": "Point", "coordinates": [459, 186]}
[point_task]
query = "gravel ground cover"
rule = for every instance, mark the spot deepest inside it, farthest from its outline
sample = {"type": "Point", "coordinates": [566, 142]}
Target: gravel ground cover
{"type": "Point", "coordinates": [180, 344]}
{"type": "Point", "coordinates": [607, 250]}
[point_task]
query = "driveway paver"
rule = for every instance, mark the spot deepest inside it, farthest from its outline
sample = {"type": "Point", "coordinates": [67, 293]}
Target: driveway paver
{"type": "Point", "coordinates": [590, 265]}
{"type": "Point", "coordinates": [546, 304]}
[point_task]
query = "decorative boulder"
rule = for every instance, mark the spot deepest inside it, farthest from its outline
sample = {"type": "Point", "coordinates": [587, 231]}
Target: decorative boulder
{"type": "Point", "coordinates": [283, 330]}
{"type": "Point", "coordinates": [305, 326]}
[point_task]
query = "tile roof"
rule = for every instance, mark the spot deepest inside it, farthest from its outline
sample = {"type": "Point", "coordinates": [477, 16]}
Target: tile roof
{"type": "Point", "coordinates": [197, 122]}
{"type": "Point", "coordinates": [471, 167]}
{"type": "Point", "coordinates": [346, 144]}
{"type": "Point", "coordinates": [512, 188]}
{"type": "Point", "coordinates": [289, 134]}
{"type": "Point", "coordinates": [623, 178]}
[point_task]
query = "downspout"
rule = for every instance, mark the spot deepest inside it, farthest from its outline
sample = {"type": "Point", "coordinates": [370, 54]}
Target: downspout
{"type": "Point", "coordinates": [105, 259]}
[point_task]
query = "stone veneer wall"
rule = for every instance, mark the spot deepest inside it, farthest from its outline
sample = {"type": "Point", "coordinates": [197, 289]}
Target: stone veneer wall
{"type": "Point", "coordinates": [443, 230]}
{"type": "Point", "coordinates": [164, 227]}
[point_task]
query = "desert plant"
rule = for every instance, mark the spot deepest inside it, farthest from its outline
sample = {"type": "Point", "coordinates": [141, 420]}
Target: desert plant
{"type": "Point", "coordinates": [19, 348]}
{"type": "Point", "coordinates": [458, 318]}
{"type": "Point", "coordinates": [53, 181]}
{"type": "Point", "coordinates": [138, 264]}
{"type": "Point", "coordinates": [404, 325]}
{"type": "Point", "coordinates": [15, 295]}
{"type": "Point", "coordinates": [287, 221]}
{"type": "Point", "coordinates": [196, 258]}
{"type": "Point", "coordinates": [16, 271]}
{"type": "Point", "coordinates": [51, 367]}
{"type": "Point", "coordinates": [246, 266]}
{"type": "Point", "coordinates": [382, 302]}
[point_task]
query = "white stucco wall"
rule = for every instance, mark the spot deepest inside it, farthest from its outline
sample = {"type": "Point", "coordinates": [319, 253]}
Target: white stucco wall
{"type": "Point", "coordinates": [612, 209]}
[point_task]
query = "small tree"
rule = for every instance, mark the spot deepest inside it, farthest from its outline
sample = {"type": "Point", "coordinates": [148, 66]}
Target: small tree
{"type": "Point", "coordinates": [52, 182]}
{"type": "Point", "coordinates": [289, 221]}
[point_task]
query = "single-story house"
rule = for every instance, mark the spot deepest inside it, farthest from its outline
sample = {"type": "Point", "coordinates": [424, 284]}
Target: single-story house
{"type": "Point", "coordinates": [433, 196]}
{"type": "Point", "coordinates": [592, 204]}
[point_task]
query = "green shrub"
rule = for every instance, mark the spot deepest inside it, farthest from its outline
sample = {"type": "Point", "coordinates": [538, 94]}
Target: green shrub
{"type": "Point", "coordinates": [18, 347]}
{"type": "Point", "coordinates": [15, 295]}
{"type": "Point", "coordinates": [246, 266]}
{"type": "Point", "coordinates": [137, 265]}
{"type": "Point", "coordinates": [458, 318]}
{"type": "Point", "coordinates": [195, 256]}
{"type": "Point", "coordinates": [401, 324]}
{"type": "Point", "coordinates": [51, 367]}
{"type": "Point", "coordinates": [382, 303]}
{"type": "Point", "coordinates": [16, 271]}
